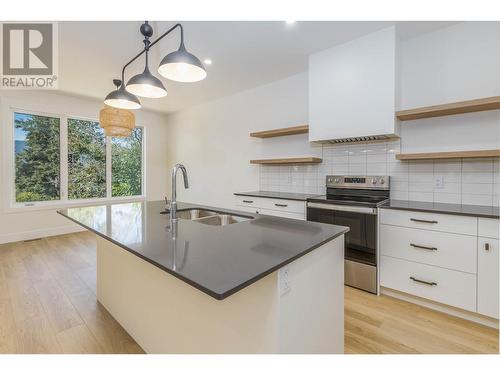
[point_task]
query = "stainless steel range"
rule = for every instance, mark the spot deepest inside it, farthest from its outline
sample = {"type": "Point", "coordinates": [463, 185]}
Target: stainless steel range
{"type": "Point", "coordinates": [353, 201]}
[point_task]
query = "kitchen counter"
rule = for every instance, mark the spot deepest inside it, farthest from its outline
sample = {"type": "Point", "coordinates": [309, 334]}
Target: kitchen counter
{"type": "Point", "coordinates": [190, 287]}
{"type": "Point", "coordinates": [278, 195]}
{"type": "Point", "coordinates": [218, 260]}
{"type": "Point", "coordinates": [443, 208]}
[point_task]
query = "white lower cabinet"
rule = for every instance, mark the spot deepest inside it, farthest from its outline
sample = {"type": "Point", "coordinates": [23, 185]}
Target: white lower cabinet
{"type": "Point", "coordinates": [487, 276]}
{"type": "Point", "coordinates": [450, 259]}
{"type": "Point", "coordinates": [272, 206]}
{"type": "Point", "coordinates": [446, 286]}
{"type": "Point", "coordinates": [290, 215]}
{"type": "Point", "coordinates": [447, 250]}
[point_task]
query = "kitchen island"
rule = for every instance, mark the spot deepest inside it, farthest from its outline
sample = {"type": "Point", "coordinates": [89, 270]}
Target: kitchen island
{"type": "Point", "coordinates": [218, 281]}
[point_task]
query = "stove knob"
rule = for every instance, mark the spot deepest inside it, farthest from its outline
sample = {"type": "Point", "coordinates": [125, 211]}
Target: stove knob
{"type": "Point", "coordinates": [382, 181]}
{"type": "Point", "coordinates": [374, 181]}
{"type": "Point", "coordinates": [337, 180]}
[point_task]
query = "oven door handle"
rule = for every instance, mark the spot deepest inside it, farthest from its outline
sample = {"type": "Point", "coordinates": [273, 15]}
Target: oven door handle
{"type": "Point", "coordinates": [340, 207]}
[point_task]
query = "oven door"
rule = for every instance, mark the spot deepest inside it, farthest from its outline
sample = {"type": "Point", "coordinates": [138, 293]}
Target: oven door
{"type": "Point", "coordinates": [361, 240]}
{"type": "Point", "coordinates": [360, 264]}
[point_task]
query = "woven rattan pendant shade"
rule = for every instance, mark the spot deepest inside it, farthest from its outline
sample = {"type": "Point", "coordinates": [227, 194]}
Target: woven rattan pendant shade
{"type": "Point", "coordinates": [116, 122]}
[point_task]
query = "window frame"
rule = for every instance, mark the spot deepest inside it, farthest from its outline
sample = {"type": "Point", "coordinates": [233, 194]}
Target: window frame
{"type": "Point", "coordinates": [63, 200]}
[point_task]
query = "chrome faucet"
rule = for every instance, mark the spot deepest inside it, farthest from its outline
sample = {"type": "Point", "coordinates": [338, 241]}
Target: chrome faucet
{"type": "Point", "coordinates": [173, 202]}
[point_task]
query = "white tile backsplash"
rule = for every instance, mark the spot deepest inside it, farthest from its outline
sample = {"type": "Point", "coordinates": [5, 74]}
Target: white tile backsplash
{"type": "Point", "coordinates": [465, 181]}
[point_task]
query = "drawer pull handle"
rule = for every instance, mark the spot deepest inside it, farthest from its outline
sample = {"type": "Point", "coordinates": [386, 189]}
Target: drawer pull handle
{"type": "Point", "coordinates": [431, 283]}
{"type": "Point", "coordinates": [244, 201]}
{"type": "Point", "coordinates": [487, 246]}
{"type": "Point", "coordinates": [423, 247]}
{"type": "Point", "coordinates": [424, 221]}
{"type": "Point", "coordinates": [281, 205]}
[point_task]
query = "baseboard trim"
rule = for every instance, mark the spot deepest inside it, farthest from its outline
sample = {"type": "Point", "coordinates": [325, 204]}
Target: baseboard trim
{"type": "Point", "coordinates": [467, 315]}
{"type": "Point", "coordinates": [30, 235]}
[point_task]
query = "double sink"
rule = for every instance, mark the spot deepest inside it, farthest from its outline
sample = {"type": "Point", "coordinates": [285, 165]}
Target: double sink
{"type": "Point", "coordinates": [211, 217]}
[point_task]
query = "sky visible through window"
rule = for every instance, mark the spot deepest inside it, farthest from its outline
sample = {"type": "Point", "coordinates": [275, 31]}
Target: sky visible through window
{"type": "Point", "coordinates": [20, 134]}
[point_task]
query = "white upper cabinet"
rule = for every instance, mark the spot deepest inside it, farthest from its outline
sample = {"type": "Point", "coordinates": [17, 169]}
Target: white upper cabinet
{"type": "Point", "coordinates": [352, 88]}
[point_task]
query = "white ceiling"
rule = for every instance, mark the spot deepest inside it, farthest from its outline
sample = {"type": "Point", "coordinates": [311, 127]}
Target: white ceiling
{"type": "Point", "coordinates": [244, 54]}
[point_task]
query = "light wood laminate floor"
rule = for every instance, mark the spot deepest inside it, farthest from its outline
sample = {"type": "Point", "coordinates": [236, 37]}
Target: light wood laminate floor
{"type": "Point", "coordinates": [48, 305]}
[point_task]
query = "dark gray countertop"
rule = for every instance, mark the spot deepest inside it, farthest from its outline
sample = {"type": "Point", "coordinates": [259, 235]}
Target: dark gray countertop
{"type": "Point", "coordinates": [218, 260]}
{"type": "Point", "coordinates": [276, 194]}
{"type": "Point", "coordinates": [443, 208]}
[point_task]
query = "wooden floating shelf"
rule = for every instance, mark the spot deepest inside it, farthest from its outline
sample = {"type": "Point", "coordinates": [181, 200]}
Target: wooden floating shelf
{"type": "Point", "coordinates": [300, 129]}
{"type": "Point", "coordinates": [449, 155]}
{"type": "Point", "coordinates": [306, 160]}
{"type": "Point", "coordinates": [476, 105]}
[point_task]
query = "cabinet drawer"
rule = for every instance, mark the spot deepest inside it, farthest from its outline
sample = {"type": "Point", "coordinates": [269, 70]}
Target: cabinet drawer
{"type": "Point", "coordinates": [431, 221]}
{"type": "Point", "coordinates": [448, 250]}
{"type": "Point", "coordinates": [453, 288]}
{"type": "Point", "coordinates": [284, 205]}
{"type": "Point", "coordinates": [290, 215]}
{"type": "Point", "coordinates": [248, 201]}
{"type": "Point", "coordinates": [272, 204]}
{"type": "Point", "coordinates": [487, 277]}
{"type": "Point", "coordinates": [488, 227]}
{"type": "Point", "coordinates": [252, 210]}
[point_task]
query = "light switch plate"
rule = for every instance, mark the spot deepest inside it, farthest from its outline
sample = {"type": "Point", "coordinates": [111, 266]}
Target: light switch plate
{"type": "Point", "coordinates": [439, 182]}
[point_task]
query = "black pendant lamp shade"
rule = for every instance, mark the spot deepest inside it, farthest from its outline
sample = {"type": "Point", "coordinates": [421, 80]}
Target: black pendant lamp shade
{"type": "Point", "coordinates": [121, 98]}
{"type": "Point", "coordinates": [146, 84]}
{"type": "Point", "coordinates": [182, 66]}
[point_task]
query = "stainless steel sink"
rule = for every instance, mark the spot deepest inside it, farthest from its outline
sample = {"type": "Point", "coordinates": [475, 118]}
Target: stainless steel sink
{"type": "Point", "coordinates": [194, 214]}
{"type": "Point", "coordinates": [211, 217]}
{"type": "Point", "coordinates": [222, 219]}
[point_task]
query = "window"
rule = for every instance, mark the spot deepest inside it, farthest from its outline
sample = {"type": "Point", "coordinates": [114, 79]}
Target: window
{"type": "Point", "coordinates": [37, 153]}
{"type": "Point", "coordinates": [61, 159]}
{"type": "Point", "coordinates": [86, 160]}
{"type": "Point", "coordinates": [126, 165]}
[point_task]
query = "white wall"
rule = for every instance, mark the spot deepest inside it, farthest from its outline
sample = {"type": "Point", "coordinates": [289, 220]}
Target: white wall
{"type": "Point", "coordinates": [456, 63]}
{"type": "Point", "coordinates": [212, 140]}
{"type": "Point", "coordinates": [451, 64]}
{"type": "Point", "coordinates": [23, 225]}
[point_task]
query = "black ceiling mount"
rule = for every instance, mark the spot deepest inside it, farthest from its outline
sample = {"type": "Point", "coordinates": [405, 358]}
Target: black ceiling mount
{"type": "Point", "coordinates": [147, 29]}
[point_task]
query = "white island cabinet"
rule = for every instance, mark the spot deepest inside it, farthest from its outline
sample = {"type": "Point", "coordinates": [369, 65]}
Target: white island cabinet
{"type": "Point", "coordinates": [218, 281]}
{"type": "Point", "coordinates": [352, 88]}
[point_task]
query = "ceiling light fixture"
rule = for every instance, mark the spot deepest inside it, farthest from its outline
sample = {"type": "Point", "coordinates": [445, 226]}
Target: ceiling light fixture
{"type": "Point", "coordinates": [182, 66]}
{"type": "Point", "coordinates": [146, 84]}
{"type": "Point", "coordinates": [121, 98]}
{"type": "Point", "coordinates": [179, 65]}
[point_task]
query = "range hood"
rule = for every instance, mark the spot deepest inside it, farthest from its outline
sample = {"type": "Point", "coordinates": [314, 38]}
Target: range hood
{"type": "Point", "coordinates": [353, 90]}
{"type": "Point", "coordinates": [369, 138]}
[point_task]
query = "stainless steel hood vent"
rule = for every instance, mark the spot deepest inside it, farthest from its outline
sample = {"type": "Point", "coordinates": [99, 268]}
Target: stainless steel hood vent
{"type": "Point", "coordinates": [369, 138]}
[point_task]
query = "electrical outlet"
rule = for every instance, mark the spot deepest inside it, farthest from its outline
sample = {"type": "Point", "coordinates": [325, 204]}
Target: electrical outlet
{"type": "Point", "coordinates": [439, 182]}
{"type": "Point", "coordinates": [284, 281]}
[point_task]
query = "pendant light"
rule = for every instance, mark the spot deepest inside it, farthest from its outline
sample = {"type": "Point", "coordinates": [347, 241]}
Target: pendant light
{"type": "Point", "coordinates": [121, 98]}
{"type": "Point", "coordinates": [182, 66]}
{"type": "Point", "coordinates": [145, 84]}
{"type": "Point", "coordinates": [116, 122]}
